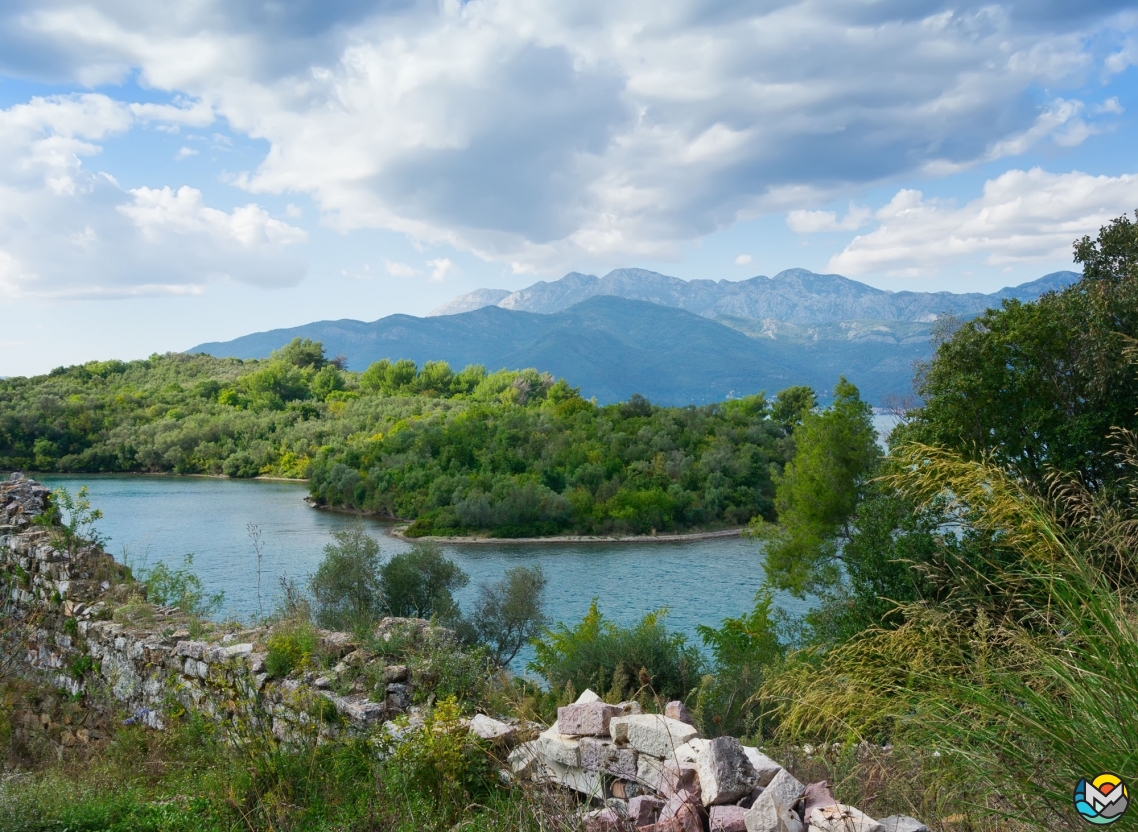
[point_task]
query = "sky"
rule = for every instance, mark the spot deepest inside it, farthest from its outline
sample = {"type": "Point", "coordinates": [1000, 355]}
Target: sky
{"type": "Point", "coordinates": [178, 173]}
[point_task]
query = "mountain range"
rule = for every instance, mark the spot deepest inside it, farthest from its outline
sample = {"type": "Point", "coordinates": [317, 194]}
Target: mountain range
{"type": "Point", "coordinates": [676, 342]}
{"type": "Point", "coordinates": [794, 296]}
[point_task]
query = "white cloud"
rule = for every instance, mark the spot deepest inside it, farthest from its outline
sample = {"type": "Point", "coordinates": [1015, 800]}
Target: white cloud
{"type": "Point", "coordinates": [400, 269]}
{"type": "Point", "coordinates": [441, 268]}
{"type": "Point", "coordinates": [543, 134]}
{"type": "Point", "coordinates": [811, 222]}
{"type": "Point", "coordinates": [160, 211]}
{"type": "Point", "coordinates": [743, 260]}
{"type": "Point", "coordinates": [184, 153]}
{"type": "Point", "coordinates": [1111, 106]}
{"type": "Point", "coordinates": [68, 230]}
{"type": "Point", "coordinates": [1022, 217]}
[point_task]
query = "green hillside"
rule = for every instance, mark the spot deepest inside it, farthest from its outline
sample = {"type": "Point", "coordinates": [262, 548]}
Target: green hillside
{"type": "Point", "coordinates": [506, 453]}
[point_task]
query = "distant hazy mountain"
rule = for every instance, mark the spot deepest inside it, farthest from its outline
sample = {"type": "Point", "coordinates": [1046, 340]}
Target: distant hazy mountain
{"type": "Point", "coordinates": [613, 347]}
{"type": "Point", "coordinates": [473, 300]}
{"type": "Point", "coordinates": [794, 296]}
{"type": "Point", "coordinates": [674, 341]}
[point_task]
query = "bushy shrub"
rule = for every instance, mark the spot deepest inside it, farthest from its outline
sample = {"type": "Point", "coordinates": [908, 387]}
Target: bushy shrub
{"type": "Point", "coordinates": [619, 661]}
{"type": "Point", "coordinates": [419, 583]}
{"type": "Point", "coordinates": [292, 645]}
{"type": "Point", "coordinates": [441, 667]}
{"type": "Point", "coordinates": [347, 587]}
{"type": "Point", "coordinates": [181, 588]}
{"type": "Point", "coordinates": [445, 760]}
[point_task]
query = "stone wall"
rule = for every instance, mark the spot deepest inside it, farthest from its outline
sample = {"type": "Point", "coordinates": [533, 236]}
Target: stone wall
{"type": "Point", "coordinates": [89, 629]}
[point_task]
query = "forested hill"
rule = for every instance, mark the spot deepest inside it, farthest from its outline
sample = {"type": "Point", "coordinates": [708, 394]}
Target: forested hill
{"type": "Point", "coordinates": [508, 453]}
{"type": "Point", "coordinates": [614, 348]}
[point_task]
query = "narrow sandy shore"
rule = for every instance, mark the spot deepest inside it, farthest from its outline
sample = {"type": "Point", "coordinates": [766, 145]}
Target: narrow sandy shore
{"type": "Point", "coordinates": [640, 538]}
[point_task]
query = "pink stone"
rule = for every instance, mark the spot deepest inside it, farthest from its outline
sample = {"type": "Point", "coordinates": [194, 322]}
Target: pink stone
{"type": "Point", "coordinates": [643, 810]}
{"type": "Point", "coordinates": [587, 719]}
{"type": "Point", "coordinates": [684, 812]}
{"type": "Point", "coordinates": [604, 820]}
{"type": "Point", "coordinates": [678, 711]}
{"type": "Point", "coordinates": [602, 755]}
{"type": "Point", "coordinates": [678, 778]}
{"type": "Point", "coordinates": [727, 819]}
{"type": "Point", "coordinates": [818, 796]}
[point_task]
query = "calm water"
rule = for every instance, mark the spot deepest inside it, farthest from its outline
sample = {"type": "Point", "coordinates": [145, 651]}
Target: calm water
{"type": "Point", "coordinates": [151, 519]}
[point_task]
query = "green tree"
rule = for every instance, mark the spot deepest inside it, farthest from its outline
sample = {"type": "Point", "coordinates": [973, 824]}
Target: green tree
{"type": "Point", "coordinates": [420, 582]}
{"type": "Point", "coordinates": [836, 455]}
{"type": "Point", "coordinates": [327, 380]}
{"type": "Point", "coordinates": [347, 585]}
{"type": "Point", "coordinates": [509, 612]}
{"type": "Point", "coordinates": [792, 404]}
{"type": "Point", "coordinates": [302, 353]}
{"type": "Point", "coordinates": [1039, 386]}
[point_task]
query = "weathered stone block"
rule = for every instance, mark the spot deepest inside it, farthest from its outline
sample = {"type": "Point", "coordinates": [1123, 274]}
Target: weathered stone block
{"type": "Point", "coordinates": [192, 649]}
{"type": "Point", "coordinates": [590, 719]}
{"type": "Point", "coordinates": [770, 814]}
{"type": "Point", "coordinates": [649, 770]}
{"type": "Point", "coordinates": [557, 747]}
{"type": "Point", "coordinates": [486, 728]}
{"type": "Point", "coordinates": [678, 711]}
{"type": "Point", "coordinates": [589, 783]}
{"type": "Point", "coordinates": [841, 818]}
{"type": "Point", "coordinates": [817, 795]}
{"type": "Point", "coordinates": [765, 767]}
{"type": "Point", "coordinates": [644, 809]}
{"type": "Point", "coordinates": [398, 696]}
{"type": "Point", "coordinates": [683, 813]}
{"type": "Point", "coordinates": [601, 755]}
{"type": "Point", "coordinates": [679, 778]}
{"type": "Point", "coordinates": [726, 819]}
{"type": "Point", "coordinates": [396, 673]}
{"type": "Point", "coordinates": [651, 733]}
{"type": "Point", "coordinates": [785, 788]}
{"type": "Point", "coordinates": [725, 773]}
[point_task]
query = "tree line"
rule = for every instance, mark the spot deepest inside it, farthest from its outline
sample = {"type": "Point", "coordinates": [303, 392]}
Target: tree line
{"type": "Point", "coordinates": [507, 453]}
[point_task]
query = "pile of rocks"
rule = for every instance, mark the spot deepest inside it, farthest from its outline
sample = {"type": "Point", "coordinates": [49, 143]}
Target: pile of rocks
{"type": "Point", "coordinates": [21, 501]}
{"type": "Point", "coordinates": [654, 773]}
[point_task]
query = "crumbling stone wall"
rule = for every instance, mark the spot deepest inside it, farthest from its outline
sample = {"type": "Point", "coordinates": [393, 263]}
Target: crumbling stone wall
{"type": "Point", "coordinates": [151, 664]}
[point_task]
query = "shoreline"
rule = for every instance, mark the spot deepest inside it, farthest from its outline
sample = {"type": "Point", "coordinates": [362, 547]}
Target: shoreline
{"type": "Point", "coordinates": [397, 533]}
{"type": "Point", "coordinates": [38, 475]}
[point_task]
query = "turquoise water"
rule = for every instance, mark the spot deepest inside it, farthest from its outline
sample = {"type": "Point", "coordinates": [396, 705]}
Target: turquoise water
{"type": "Point", "coordinates": [155, 518]}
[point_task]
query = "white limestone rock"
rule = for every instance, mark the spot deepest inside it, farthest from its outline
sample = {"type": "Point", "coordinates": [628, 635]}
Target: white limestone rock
{"type": "Point", "coordinates": [840, 818]}
{"type": "Point", "coordinates": [558, 748]}
{"type": "Point", "coordinates": [486, 728]}
{"type": "Point", "coordinates": [765, 767]}
{"type": "Point", "coordinates": [785, 788]}
{"type": "Point", "coordinates": [902, 823]}
{"type": "Point", "coordinates": [649, 771]}
{"type": "Point", "coordinates": [770, 814]}
{"type": "Point", "coordinates": [651, 733]}
{"type": "Point", "coordinates": [725, 773]}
